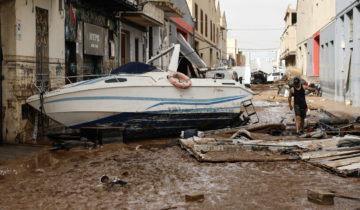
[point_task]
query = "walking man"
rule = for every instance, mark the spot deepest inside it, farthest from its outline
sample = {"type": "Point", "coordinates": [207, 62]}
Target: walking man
{"type": "Point", "coordinates": [300, 106]}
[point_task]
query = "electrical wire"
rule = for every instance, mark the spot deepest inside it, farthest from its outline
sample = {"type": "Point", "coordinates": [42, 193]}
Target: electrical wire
{"type": "Point", "coordinates": [255, 29]}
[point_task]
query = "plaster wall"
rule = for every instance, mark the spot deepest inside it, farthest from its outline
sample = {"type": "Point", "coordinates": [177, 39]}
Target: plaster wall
{"type": "Point", "coordinates": [327, 61]}
{"type": "Point", "coordinates": [19, 67]}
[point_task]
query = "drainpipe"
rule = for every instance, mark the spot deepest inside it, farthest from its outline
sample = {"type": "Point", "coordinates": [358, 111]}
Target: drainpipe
{"type": "Point", "coordinates": [147, 43]}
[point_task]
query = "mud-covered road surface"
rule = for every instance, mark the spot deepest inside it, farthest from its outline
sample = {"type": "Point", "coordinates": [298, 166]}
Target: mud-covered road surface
{"type": "Point", "coordinates": [159, 177]}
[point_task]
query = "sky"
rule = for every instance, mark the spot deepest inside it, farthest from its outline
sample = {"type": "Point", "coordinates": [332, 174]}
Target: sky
{"type": "Point", "coordinates": [243, 15]}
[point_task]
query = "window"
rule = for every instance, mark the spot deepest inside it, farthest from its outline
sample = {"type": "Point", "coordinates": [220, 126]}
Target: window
{"type": "Point", "coordinates": [214, 38]}
{"type": "Point", "coordinates": [351, 25]}
{"type": "Point", "coordinates": [115, 80]}
{"type": "Point", "coordinates": [196, 17]}
{"type": "Point", "coordinates": [293, 18]}
{"type": "Point", "coordinates": [197, 47]}
{"type": "Point", "coordinates": [202, 21]}
{"type": "Point", "coordinates": [211, 30]}
{"type": "Point", "coordinates": [151, 47]}
{"type": "Point", "coordinates": [206, 25]}
{"type": "Point", "coordinates": [137, 50]}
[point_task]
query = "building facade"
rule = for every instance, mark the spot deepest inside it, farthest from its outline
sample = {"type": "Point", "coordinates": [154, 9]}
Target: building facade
{"type": "Point", "coordinates": [45, 44]}
{"type": "Point", "coordinates": [210, 31]}
{"type": "Point", "coordinates": [312, 17]}
{"type": "Point", "coordinates": [240, 59]}
{"type": "Point", "coordinates": [329, 46]}
{"type": "Point", "coordinates": [340, 54]}
{"type": "Point", "coordinates": [288, 38]}
{"type": "Point", "coordinates": [232, 50]}
{"type": "Point", "coordinates": [33, 57]}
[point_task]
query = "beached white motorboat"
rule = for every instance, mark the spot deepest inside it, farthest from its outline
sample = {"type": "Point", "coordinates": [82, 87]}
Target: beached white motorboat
{"type": "Point", "coordinates": [140, 98]}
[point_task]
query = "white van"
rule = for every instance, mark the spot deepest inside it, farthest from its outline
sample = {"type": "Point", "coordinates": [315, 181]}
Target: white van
{"type": "Point", "coordinates": [275, 76]}
{"type": "Point", "coordinates": [240, 74]}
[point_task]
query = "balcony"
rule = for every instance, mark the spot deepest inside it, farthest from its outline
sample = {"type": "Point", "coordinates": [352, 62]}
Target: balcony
{"type": "Point", "coordinates": [149, 15]}
{"type": "Point", "coordinates": [115, 5]}
{"type": "Point", "coordinates": [169, 8]}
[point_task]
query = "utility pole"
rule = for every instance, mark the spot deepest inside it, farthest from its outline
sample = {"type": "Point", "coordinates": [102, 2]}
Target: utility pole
{"type": "Point", "coordinates": [120, 38]}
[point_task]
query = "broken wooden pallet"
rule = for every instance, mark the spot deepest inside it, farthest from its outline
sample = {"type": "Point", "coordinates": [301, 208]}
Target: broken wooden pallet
{"type": "Point", "coordinates": [214, 150]}
{"type": "Point", "coordinates": [344, 163]}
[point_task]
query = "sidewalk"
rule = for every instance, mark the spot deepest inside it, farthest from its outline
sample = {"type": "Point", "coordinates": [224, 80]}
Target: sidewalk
{"type": "Point", "coordinates": [341, 110]}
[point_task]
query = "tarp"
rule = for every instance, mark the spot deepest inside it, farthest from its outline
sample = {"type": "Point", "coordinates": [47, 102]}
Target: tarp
{"type": "Point", "coordinates": [190, 53]}
{"type": "Point", "coordinates": [133, 68]}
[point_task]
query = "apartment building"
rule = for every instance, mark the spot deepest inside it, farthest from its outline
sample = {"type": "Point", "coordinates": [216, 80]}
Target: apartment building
{"type": "Point", "coordinates": [210, 31]}
{"type": "Point", "coordinates": [288, 38]}
{"type": "Point", "coordinates": [340, 54]}
{"type": "Point", "coordinates": [328, 35]}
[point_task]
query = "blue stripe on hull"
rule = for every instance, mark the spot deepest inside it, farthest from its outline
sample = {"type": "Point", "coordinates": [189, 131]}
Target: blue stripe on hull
{"type": "Point", "coordinates": [128, 98]}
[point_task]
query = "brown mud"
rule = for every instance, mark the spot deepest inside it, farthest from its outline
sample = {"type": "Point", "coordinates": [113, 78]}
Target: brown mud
{"type": "Point", "coordinates": [160, 177]}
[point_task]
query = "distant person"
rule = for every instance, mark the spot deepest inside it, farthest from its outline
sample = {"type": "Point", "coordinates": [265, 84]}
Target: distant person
{"type": "Point", "coordinates": [298, 92]}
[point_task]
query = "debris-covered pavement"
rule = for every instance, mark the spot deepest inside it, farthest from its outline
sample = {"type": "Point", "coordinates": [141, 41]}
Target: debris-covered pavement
{"type": "Point", "coordinates": [155, 175]}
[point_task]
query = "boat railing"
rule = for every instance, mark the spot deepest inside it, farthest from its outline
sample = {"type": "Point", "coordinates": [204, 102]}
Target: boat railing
{"type": "Point", "coordinates": [42, 86]}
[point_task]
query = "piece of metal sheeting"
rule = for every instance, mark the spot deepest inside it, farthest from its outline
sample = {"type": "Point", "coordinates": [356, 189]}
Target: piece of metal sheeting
{"type": "Point", "coordinates": [190, 53]}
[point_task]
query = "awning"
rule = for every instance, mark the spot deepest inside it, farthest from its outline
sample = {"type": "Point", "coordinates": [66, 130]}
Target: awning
{"type": "Point", "coordinates": [190, 53]}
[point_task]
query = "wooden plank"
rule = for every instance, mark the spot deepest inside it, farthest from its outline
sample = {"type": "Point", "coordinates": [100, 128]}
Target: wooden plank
{"type": "Point", "coordinates": [347, 69]}
{"type": "Point", "coordinates": [326, 154]}
{"type": "Point", "coordinates": [344, 149]}
{"type": "Point", "coordinates": [342, 162]}
{"type": "Point", "coordinates": [324, 159]}
{"type": "Point", "coordinates": [353, 166]}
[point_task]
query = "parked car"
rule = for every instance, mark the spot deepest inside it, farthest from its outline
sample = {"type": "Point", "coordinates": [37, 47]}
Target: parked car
{"type": "Point", "coordinates": [275, 76]}
{"type": "Point", "coordinates": [258, 77]}
{"type": "Point", "coordinates": [239, 74]}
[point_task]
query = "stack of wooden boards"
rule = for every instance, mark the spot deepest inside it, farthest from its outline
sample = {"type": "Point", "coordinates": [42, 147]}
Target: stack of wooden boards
{"type": "Point", "coordinates": [340, 155]}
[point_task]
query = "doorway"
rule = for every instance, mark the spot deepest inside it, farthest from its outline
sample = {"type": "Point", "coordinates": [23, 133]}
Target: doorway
{"type": "Point", "coordinates": [124, 47]}
{"type": "Point", "coordinates": [70, 62]}
{"type": "Point", "coordinates": [316, 60]}
{"type": "Point", "coordinates": [42, 48]}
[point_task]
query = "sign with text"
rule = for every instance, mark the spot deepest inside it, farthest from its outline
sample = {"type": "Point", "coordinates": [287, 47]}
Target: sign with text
{"type": "Point", "coordinates": [93, 40]}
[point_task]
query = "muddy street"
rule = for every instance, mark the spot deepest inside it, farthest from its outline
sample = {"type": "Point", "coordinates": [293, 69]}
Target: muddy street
{"type": "Point", "coordinates": [159, 177]}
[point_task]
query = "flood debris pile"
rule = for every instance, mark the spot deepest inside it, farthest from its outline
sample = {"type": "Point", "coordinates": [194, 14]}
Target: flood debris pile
{"type": "Point", "coordinates": [329, 147]}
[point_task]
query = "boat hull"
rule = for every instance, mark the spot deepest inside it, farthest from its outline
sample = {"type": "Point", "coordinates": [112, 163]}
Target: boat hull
{"type": "Point", "coordinates": [159, 125]}
{"type": "Point", "coordinates": [147, 106]}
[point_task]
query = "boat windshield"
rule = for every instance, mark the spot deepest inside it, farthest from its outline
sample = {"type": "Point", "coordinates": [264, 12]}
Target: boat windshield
{"type": "Point", "coordinates": [135, 68]}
